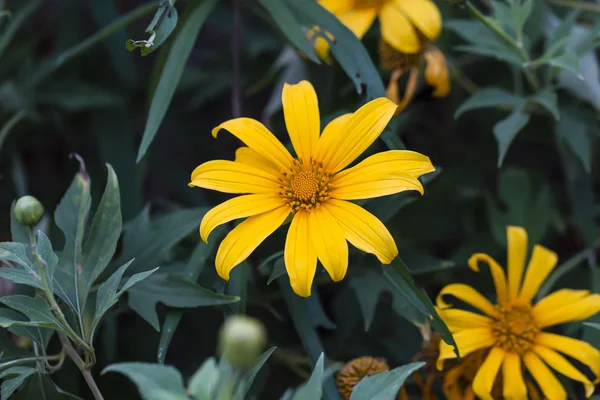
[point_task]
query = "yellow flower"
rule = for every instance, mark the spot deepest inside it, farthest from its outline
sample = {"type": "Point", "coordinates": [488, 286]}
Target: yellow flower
{"type": "Point", "coordinates": [403, 22]}
{"type": "Point", "coordinates": [436, 72]}
{"type": "Point", "coordinates": [314, 187]}
{"type": "Point", "coordinates": [512, 330]}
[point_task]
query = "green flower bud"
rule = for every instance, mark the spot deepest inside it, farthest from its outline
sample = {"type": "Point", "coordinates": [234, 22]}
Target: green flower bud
{"type": "Point", "coordinates": [241, 341]}
{"type": "Point", "coordinates": [28, 210]}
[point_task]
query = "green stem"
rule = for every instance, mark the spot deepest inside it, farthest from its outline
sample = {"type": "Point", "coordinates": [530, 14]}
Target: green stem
{"type": "Point", "coordinates": [531, 78]}
{"type": "Point", "coordinates": [87, 375]}
{"type": "Point", "coordinates": [52, 65]}
{"type": "Point", "coordinates": [50, 296]}
{"type": "Point", "coordinates": [27, 360]}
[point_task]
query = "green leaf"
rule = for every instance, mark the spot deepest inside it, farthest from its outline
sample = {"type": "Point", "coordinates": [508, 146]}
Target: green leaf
{"type": "Point", "coordinates": [548, 99]}
{"type": "Point", "coordinates": [575, 134]}
{"type": "Point", "coordinates": [103, 236]}
{"type": "Point", "coordinates": [205, 380]}
{"type": "Point", "coordinates": [506, 130]}
{"type": "Point", "coordinates": [568, 61]}
{"type": "Point", "coordinates": [486, 98]}
{"type": "Point", "coordinates": [154, 381]}
{"type": "Point", "coordinates": [17, 19]}
{"type": "Point", "coordinates": [398, 275]}
{"type": "Point", "coordinates": [248, 378]}
{"type": "Point", "coordinates": [21, 276]}
{"type": "Point", "coordinates": [174, 291]}
{"type": "Point", "coordinates": [47, 255]}
{"type": "Point", "coordinates": [19, 253]}
{"type": "Point", "coordinates": [34, 308]}
{"type": "Point", "coordinates": [108, 293]}
{"type": "Point", "coordinates": [41, 336]}
{"type": "Point", "coordinates": [308, 335]}
{"type": "Point", "coordinates": [285, 20]}
{"type": "Point", "coordinates": [347, 49]}
{"type": "Point", "coordinates": [9, 125]}
{"type": "Point", "coordinates": [77, 96]}
{"type": "Point", "coordinates": [10, 385]}
{"type": "Point", "coordinates": [565, 26]}
{"type": "Point", "coordinates": [161, 27]}
{"type": "Point", "coordinates": [514, 15]}
{"type": "Point", "coordinates": [368, 288]}
{"type": "Point", "coordinates": [385, 385]}
{"type": "Point", "coordinates": [43, 388]}
{"type": "Point", "coordinates": [313, 389]}
{"type": "Point", "coordinates": [592, 325]}
{"type": "Point", "coordinates": [147, 242]}
{"type": "Point", "coordinates": [193, 270]}
{"type": "Point", "coordinates": [71, 217]}
{"type": "Point", "coordinates": [179, 53]}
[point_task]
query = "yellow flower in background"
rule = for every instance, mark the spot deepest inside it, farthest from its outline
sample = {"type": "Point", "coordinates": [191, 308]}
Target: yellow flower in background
{"type": "Point", "coordinates": [314, 187]}
{"type": "Point", "coordinates": [512, 329]}
{"type": "Point", "coordinates": [436, 72]}
{"type": "Point", "coordinates": [404, 23]}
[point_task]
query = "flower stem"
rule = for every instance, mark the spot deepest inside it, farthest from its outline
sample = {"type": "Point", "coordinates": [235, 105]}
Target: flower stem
{"type": "Point", "coordinates": [531, 78]}
{"type": "Point", "coordinates": [27, 360]}
{"type": "Point", "coordinates": [87, 375]}
{"type": "Point", "coordinates": [236, 95]}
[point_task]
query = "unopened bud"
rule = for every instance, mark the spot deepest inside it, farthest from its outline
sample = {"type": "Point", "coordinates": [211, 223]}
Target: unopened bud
{"type": "Point", "coordinates": [241, 341]}
{"type": "Point", "coordinates": [28, 210]}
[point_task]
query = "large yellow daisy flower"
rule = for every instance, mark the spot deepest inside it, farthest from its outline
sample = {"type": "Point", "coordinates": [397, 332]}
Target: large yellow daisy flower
{"type": "Point", "coordinates": [513, 328]}
{"type": "Point", "coordinates": [312, 187]}
{"type": "Point", "coordinates": [404, 23]}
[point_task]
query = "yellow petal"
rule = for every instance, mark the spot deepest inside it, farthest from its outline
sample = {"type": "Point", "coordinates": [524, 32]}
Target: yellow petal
{"type": "Point", "coordinates": [256, 136]}
{"type": "Point", "coordinates": [301, 113]}
{"type": "Point", "coordinates": [238, 207]}
{"type": "Point", "coordinates": [546, 380]}
{"type": "Point", "coordinates": [436, 72]}
{"type": "Point", "coordinates": [542, 262]}
{"type": "Point", "coordinates": [406, 161]}
{"type": "Point", "coordinates": [245, 238]}
{"type": "Point", "coordinates": [393, 93]}
{"type": "Point", "coordinates": [329, 242]}
{"type": "Point", "coordinates": [359, 20]}
{"type": "Point", "coordinates": [577, 349]}
{"type": "Point", "coordinates": [337, 7]}
{"type": "Point", "coordinates": [370, 182]}
{"type": "Point", "coordinates": [423, 14]}
{"type": "Point", "coordinates": [460, 319]}
{"type": "Point", "coordinates": [231, 177]}
{"type": "Point", "coordinates": [397, 30]}
{"type": "Point", "coordinates": [247, 156]}
{"type": "Point", "coordinates": [452, 386]}
{"type": "Point", "coordinates": [562, 365]}
{"type": "Point", "coordinates": [514, 384]}
{"type": "Point", "coordinates": [497, 274]}
{"type": "Point", "coordinates": [486, 375]}
{"type": "Point", "coordinates": [330, 137]}
{"type": "Point", "coordinates": [569, 312]}
{"type": "Point", "coordinates": [516, 238]}
{"type": "Point", "coordinates": [556, 300]}
{"type": "Point", "coordinates": [299, 255]}
{"type": "Point", "coordinates": [358, 133]}
{"type": "Point", "coordinates": [467, 341]}
{"type": "Point", "coordinates": [467, 294]}
{"type": "Point", "coordinates": [363, 229]}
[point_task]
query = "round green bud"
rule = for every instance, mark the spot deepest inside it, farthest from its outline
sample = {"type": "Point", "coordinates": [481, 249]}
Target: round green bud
{"type": "Point", "coordinates": [28, 210]}
{"type": "Point", "coordinates": [241, 341]}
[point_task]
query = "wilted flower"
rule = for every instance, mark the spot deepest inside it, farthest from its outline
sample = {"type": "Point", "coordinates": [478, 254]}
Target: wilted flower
{"type": "Point", "coordinates": [512, 329]}
{"type": "Point", "coordinates": [313, 187]}
{"type": "Point", "coordinates": [436, 72]}
{"type": "Point", "coordinates": [355, 370]}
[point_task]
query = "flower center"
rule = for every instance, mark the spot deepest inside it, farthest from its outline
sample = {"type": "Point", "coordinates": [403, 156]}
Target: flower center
{"type": "Point", "coordinates": [369, 3]}
{"type": "Point", "coordinates": [305, 185]}
{"type": "Point", "coordinates": [515, 329]}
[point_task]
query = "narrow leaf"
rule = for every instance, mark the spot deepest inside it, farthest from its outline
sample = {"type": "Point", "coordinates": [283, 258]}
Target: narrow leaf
{"type": "Point", "coordinates": [506, 130]}
{"type": "Point", "coordinates": [178, 55]}
{"type": "Point", "coordinates": [107, 294]}
{"type": "Point", "coordinates": [34, 308]}
{"type": "Point", "coordinates": [10, 385]}
{"type": "Point", "coordinates": [313, 389]}
{"type": "Point", "coordinates": [154, 381]}
{"type": "Point", "coordinates": [161, 27]}
{"type": "Point", "coordinates": [568, 61]}
{"type": "Point", "coordinates": [205, 380]}
{"type": "Point", "coordinates": [248, 378]}
{"type": "Point", "coordinates": [486, 98]}
{"type": "Point", "coordinates": [385, 385]}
